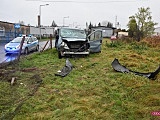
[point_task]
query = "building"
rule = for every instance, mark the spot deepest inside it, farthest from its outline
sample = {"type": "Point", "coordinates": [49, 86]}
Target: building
{"type": "Point", "coordinates": [106, 31]}
{"type": "Point", "coordinates": [122, 34]}
{"type": "Point", "coordinates": [9, 31]}
{"type": "Point", "coordinates": [45, 31]}
{"type": "Point", "coordinates": [157, 31]}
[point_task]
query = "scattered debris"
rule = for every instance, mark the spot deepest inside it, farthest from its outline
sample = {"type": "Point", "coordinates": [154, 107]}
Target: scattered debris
{"type": "Point", "coordinates": [65, 70]}
{"type": "Point", "coordinates": [7, 75]}
{"type": "Point", "coordinates": [13, 80]}
{"type": "Point", "coordinates": [120, 68]}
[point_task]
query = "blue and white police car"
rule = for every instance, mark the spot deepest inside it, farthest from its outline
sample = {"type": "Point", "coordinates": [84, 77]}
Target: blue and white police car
{"type": "Point", "coordinates": [30, 44]}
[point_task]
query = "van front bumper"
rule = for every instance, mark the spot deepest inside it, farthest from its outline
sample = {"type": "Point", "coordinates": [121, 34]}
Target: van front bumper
{"type": "Point", "coordinates": [75, 53]}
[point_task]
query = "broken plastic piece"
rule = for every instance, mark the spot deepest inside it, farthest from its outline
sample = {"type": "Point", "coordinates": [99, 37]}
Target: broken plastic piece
{"type": "Point", "coordinates": [120, 68]}
{"type": "Point", "coordinates": [66, 69]}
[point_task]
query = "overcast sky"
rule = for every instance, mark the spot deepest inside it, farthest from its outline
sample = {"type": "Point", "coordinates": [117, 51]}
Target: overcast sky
{"type": "Point", "coordinates": [79, 11]}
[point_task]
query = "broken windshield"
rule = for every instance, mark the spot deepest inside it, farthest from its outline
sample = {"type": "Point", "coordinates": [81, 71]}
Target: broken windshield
{"type": "Point", "coordinates": [73, 33]}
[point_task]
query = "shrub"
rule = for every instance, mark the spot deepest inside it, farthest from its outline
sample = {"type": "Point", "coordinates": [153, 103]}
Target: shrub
{"type": "Point", "coordinates": [153, 41]}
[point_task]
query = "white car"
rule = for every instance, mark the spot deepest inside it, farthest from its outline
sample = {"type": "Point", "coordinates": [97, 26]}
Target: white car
{"type": "Point", "coordinates": [30, 44]}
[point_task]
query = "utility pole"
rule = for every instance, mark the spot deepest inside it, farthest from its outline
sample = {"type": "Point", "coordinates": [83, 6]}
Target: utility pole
{"type": "Point", "coordinates": [116, 22]}
{"type": "Point", "coordinates": [39, 18]}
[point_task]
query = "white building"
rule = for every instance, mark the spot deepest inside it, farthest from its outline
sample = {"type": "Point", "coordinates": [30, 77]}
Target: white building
{"type": "Point", "coordinates": [45, 31]}
{"type": "Point", "coordinates": [122, 34]}
{"type": "Point", "coordinates": [157, 31]}
{"type": "Point", "coordinates": [107, 32]}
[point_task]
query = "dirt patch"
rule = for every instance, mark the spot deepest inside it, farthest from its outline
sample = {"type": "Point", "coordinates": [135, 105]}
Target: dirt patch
{"type": "Point", "coordinates": [16, 98]}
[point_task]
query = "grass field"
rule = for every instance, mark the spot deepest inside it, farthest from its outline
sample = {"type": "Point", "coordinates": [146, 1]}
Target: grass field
{"type": "Point", "coordinates": [92, 90]}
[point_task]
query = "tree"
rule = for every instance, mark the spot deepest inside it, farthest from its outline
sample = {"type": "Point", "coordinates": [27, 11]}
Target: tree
{"type": "Point", "coordinates": [99, 24]}
{"type": "Point", "coordinates": [141, 24]}
{"type": "Point", "coordinates": [87, 25]}
{"type": "Point", "coordinates": [110, 25]}
{"type": "Point", "coordinates": [21, 22]}
{"type": "Point", "coordinates": [54, 24]}
{"type": "Point", "coordinates": [90, 25]}
{"type": "Point", "coordinates": [144, 21]}
{"type": "Point", "coordinates": [107, 24]}
{"type": "Point", "coordinates": [132, 25]}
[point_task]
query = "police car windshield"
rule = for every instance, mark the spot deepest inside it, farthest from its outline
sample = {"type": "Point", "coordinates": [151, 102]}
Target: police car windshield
{"type": "Point", "coordinates": [17, 40]}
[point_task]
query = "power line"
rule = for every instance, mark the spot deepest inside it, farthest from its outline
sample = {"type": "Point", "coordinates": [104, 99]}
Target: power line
{"type": "Point", "coordinates": [84, 1]}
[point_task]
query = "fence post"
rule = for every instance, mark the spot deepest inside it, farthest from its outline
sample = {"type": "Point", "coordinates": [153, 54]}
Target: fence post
{"type": "Point", "coordinates": [21, 45]}
{"type": "Point", "coordinates": [51, 40]}
{"type": "Point", "coordinates": [45, 46]}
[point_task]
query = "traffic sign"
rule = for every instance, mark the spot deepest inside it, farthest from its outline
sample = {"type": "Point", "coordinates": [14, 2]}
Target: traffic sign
{"type": "Point", "coordinates": [17, 26]}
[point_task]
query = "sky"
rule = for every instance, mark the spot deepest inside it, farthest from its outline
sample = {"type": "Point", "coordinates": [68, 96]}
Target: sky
{"type": "Point", "coordinates": [75, 12]}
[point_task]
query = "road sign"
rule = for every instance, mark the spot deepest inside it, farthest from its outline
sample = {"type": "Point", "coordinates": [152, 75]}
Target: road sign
{"type": "Point", "coordinates": [17, 26]}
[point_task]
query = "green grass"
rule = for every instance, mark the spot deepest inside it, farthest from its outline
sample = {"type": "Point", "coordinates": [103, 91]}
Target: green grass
{"type": "Point", "coordinates": [92, 91]}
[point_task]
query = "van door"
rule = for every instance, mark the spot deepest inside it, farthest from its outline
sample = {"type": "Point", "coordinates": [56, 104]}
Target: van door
{"type": "Point", "coordinates": [95, 41]}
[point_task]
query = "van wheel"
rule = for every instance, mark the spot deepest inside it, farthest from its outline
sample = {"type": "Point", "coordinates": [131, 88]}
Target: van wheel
{"type": "Point", "coordinates": [59, 55]}
{"type": "Point", "coordinates": [26, 51]}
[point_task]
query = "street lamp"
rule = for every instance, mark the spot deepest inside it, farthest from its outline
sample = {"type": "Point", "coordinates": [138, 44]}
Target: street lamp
{"type": "Point", "coordinates": [63, 19]}
{"type": "Point", "coordinates": [40, 18]}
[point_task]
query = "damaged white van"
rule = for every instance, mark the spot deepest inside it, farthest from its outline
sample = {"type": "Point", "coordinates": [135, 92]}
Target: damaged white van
{"type": "Point", "coordinates": [73, 41]}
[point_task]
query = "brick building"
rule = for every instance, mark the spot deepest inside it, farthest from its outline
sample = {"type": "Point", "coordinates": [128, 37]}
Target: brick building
{"type": "Point", "coordinates": [8, 31]}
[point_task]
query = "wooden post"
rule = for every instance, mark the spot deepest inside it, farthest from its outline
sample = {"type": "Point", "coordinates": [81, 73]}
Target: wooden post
{"type": "Point", "coordinates": [21, 45]}
{"type": "Point", "coordinates": [45, 46]}
{"type": "Point", "coordinates": [13, 80]}
{"type": "Point", "coordinates": [51, 40]}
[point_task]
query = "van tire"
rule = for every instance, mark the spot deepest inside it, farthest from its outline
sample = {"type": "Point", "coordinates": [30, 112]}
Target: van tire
{"type": "Point", "coordinates": [59, 55]}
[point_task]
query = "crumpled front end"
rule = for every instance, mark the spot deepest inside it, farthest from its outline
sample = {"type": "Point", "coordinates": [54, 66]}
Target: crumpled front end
{"type": "Point", "coordinates": [74, 48]}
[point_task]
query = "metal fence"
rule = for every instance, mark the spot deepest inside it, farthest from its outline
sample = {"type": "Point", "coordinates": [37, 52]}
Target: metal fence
{"type": "Point", "coordinates": [8, 36]}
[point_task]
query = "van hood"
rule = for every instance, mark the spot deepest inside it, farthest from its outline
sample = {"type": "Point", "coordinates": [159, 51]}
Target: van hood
{"type": "Point", "coordinates": [73, 39]}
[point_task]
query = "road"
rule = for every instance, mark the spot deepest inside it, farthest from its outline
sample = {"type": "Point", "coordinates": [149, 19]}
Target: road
{"type": "Point", "coordinates": [6, 58]}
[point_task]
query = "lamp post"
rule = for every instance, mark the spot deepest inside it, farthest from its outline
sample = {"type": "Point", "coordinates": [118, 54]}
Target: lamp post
{"type": "Point", "coordinates": [63, 19]}
{"type": "Point", "coordinates": [40, 18]}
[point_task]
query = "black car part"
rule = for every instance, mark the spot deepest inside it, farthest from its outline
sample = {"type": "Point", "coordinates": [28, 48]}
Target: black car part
{"type": "Point", "coordinates": [120, 68]}
{"type": "Point", "coordinates": [66, 69]}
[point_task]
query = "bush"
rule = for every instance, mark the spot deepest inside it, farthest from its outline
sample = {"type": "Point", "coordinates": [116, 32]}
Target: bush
{"type": "Point", "coordinates": [153, 41]}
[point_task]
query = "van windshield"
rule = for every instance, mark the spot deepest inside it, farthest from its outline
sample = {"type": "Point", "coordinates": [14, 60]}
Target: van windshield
{"type": "Point", "coordinates": [73, 33]}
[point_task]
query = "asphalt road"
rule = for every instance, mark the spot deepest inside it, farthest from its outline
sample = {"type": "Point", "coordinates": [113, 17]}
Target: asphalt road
{"type": "Point", "coordinates": [9, 57]}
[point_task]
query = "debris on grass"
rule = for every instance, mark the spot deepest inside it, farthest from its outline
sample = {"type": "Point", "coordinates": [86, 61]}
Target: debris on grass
{"type": "Point", "coordinates": [66, 69]}
{"type": "Point", "coordinates": [120, 68]}
{"type": "Point", "coordinates": [13, 80]}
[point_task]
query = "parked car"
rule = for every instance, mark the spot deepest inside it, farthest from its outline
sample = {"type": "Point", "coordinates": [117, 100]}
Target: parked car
{"type": "Point", "coordinates": [72, 41]}
{"type": "Point", "coordinates": [30, 44]}
{"type": "Point", "coordinates": [113, 37]}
